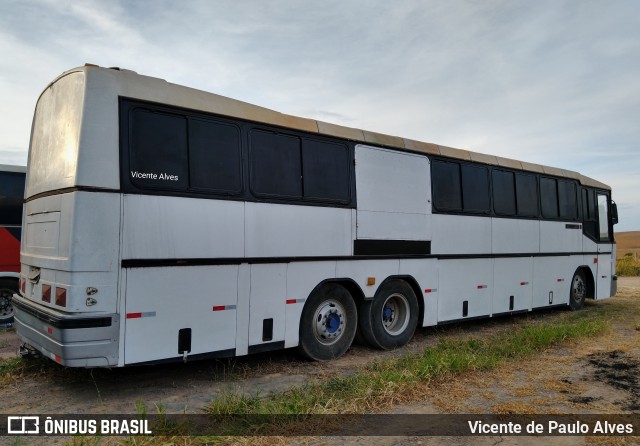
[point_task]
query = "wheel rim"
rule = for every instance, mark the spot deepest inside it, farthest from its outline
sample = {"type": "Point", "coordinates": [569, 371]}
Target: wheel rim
{"type": "Point", "coordinates": [6, 310]}
{"type": "Point", "coordinates": [330, 320]}
{"type": "Point", "coordinates": [395, 314]}
{"type": "Point", "coordinates": [578, 288]}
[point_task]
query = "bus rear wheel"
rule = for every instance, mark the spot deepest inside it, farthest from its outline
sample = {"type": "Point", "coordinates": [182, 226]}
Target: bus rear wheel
{"type": "Point", "coordinates": [8, 288]}
{"type": "Point", "coordinates": [390, 319]}
{"type": "Point", "coordinates": [328, 323]}
{"type": "Point", "coordinates": [578, 291]}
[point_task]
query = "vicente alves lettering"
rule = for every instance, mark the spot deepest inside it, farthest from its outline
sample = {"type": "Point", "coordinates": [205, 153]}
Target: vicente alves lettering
{"type": "Point", "coordinates": [153, 176]}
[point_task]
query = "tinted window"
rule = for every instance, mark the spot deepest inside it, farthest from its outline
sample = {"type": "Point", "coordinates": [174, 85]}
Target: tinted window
{"type": "Point", "coordinates": [276, 167]}
{"type": "Point", "coordinates": [11, 194]}
{"type": "Point", "coordinates": [475, 189]}
{"type": "Point", "coordinates": [158, 150]}
{"type": "Point", "coordinates": [567, 200]}
{"type": "Point", "coordinates": [526, 195]}
{"type": "Point", "coordinates": [325, 170]}
{"type": "Point", "coordinates": [214, 156]}
{"type": "Point", "coordinates": [585, 206]}
{"type": "Point", "coordinates": [446, 186]}
{"type": "Point", "coordinates": [504, 196]}
{"type": "Point", "coordinates": [603, 217]}
{"type": "Point", "coordinates": [588, 214]}
{"type": "Point", "coordinates": [549, 197]}
{"type": "Point", "coordinates": [592, 203]}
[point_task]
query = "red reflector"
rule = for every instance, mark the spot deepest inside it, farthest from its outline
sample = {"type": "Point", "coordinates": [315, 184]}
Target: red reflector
{"type": "Point", "coordinates": [49, 330]}
{"type": "Point", "coordinates": [218, 308]}
{"type": "Point", "coordinates": [524, 283]}
{"type": "Point", "coordinates": [46, 293]}
{"type": "Point", "coordinates": [291, 301]}
{"type": "Point", "coordinates": [595, 260]}
{"type": "Point", "coordinates": [61, 297]}
{"type": "Point", "coordinates": [481, 286]}
{"type": "Point", "coordinates": [560, 280]}
{"type": "Point", "coordinates": [133, 315]}
{"type": "Point", "coordinates": [427, 291]}
{"type": "Point", "coordinates": [58, 359]}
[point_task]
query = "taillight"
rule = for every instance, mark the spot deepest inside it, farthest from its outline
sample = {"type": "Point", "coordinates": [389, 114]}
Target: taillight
{"type": "Point", "coordinates": [61, 297]}
{"type": "Point", "coordinates": [46, 293]}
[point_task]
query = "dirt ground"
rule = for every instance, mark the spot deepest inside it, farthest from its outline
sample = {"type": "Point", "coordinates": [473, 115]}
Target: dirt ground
{"type": "Point", "coordinates": [581, 377]}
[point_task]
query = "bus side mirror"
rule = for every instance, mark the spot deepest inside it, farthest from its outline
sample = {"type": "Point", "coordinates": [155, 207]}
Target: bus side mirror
{"type": "Point", "coordinates": [614, 213]}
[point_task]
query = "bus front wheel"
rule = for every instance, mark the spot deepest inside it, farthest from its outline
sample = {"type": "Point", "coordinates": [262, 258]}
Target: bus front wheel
{"type": "Point", "coordinates": [578, 291]}
{"type": "Point", "coordinates": [328, 324]}
{"type": "Point", "coordinates": [8, 287]}
{"type": "Point", "coordinates": [390, 319]}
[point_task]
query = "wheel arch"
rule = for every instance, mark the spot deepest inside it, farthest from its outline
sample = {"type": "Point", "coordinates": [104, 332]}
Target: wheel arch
{"type": "Point", "coordinates": [591, 283]}
{"type": "Point", "coordinates": [351, 286]}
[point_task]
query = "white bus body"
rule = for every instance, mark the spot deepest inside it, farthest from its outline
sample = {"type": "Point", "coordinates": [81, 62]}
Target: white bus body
{"type": "Point", "coordinates": [140, 247]}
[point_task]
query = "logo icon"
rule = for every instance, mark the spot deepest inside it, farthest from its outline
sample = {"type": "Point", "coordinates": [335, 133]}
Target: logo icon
{"type": "Point", "coordinates": [23, 425]}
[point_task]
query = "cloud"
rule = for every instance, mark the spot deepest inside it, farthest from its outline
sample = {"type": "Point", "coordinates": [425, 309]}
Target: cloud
{"type": "Point", "coordinates": [556, 83]}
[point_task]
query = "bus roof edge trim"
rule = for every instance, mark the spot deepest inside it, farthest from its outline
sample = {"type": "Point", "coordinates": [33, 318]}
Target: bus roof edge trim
{"type": "Point", "coordinates": [187, 97]}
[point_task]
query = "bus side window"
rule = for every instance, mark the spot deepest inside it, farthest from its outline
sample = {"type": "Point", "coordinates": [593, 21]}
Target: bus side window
{"type": "Point", "coordinates": [527, 195]}
{"type": "Point", "coordinates": [475, 189]}
{"type": "Point", "coordinates": [447, 193]}
{"type": "Point", "coordinates": [567, 200]}
{"type": "Point", "coordinates": [504, 193]}
{"type": "Point", "coordinates": [588, 215]}
{"type": "Point", "coordinates": [215, 163]}
{"type": "Point", "coordinates": [603, 218]}
{"type": "Point", "coordinates": [549, 198]}
{"type": "Point", "coordinates": [158, 150]}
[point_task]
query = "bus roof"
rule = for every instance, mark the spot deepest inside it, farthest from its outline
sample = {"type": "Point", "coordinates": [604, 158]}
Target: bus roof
{"type": "Point", "coordinates": [158, 90]}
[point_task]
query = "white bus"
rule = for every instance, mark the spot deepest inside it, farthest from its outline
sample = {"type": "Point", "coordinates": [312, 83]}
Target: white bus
{"type": "Point", "coordinates": [163, 223]}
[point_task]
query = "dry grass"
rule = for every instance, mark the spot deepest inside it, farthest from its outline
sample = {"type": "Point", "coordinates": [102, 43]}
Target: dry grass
{"type": "Point", "coordinates": [628, 266]}
{"type": "Point", "coordinates": [628, 242]}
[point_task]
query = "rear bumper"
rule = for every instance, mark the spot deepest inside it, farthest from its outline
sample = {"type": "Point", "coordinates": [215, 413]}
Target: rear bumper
{"type": "Point", "coordinates": [74, 340]}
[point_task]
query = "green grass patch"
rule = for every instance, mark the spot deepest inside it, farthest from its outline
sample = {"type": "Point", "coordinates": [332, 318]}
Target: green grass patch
{"type": "Point", "coordinates": [404, 379]}
{"type": "Point", "coordinates": [628, 266]}
{"type": "Point", "coordinates": [10, 366]}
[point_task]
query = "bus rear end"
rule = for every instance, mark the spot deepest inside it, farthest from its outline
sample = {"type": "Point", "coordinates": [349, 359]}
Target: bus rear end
{"type": "Point", "coordinates": [67, 304]}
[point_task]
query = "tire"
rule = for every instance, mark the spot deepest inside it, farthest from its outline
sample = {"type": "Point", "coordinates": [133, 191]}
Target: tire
{"type": "Point", "coordinates": [8, 287]}
{"type": "Point", "coordinates": [390, 319]}
{"type": "Point", "coordinates": [578, 292]}
{"type": "Point", "coordinates": [328, 323]}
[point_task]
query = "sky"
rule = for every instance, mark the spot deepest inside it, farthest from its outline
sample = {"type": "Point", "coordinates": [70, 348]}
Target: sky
{"type": "Point", "coordinates": [551, 82]}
